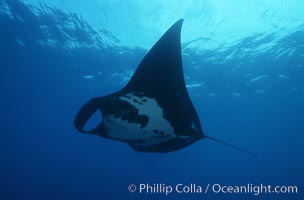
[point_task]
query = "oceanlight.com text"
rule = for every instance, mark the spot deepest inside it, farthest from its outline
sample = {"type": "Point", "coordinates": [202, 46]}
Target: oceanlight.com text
{"type": "Point", "coordinates": [254, 189]}
{"type": "Point", "coordinates": [216, 188]}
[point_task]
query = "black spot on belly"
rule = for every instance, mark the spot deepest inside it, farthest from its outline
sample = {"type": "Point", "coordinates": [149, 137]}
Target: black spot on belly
{"type": "Point", "coordinates": [134, 117]}
{"type": "Point", "coordinates": [127, 96]}
{"type": "Point", "coordinates": [137, 101]}
{"type": "Point", "coordinates": [125, 111]}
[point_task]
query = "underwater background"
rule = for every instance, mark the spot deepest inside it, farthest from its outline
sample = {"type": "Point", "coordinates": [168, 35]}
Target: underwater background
{"type": "Point", "coordinates": [243, 64]}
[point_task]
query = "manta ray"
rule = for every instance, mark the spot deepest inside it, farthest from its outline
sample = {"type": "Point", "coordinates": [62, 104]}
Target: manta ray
{"type": "Point", "coordinates": [153, 112]}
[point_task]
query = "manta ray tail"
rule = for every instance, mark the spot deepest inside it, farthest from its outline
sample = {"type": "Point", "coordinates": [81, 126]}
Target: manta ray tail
{"type": "Point", "coordinates": [230, 145]}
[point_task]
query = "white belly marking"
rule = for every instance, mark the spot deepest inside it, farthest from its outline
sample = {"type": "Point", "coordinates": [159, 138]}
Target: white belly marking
{"type": "Point", "coordinates": [120, 129]}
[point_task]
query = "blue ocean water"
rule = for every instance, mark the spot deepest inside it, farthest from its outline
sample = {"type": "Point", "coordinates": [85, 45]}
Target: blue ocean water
{"type": "Point", "coordinates": [243, 65]}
